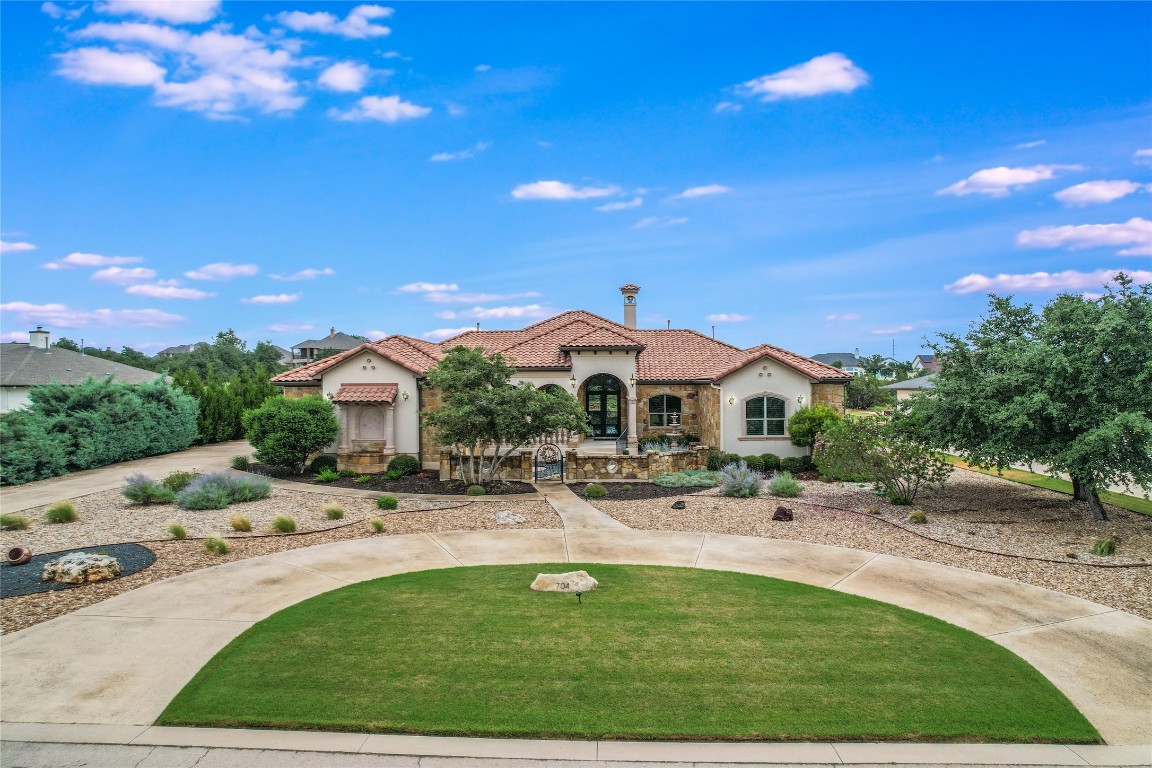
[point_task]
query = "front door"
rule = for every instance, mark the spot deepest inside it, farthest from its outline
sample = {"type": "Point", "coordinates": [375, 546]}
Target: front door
{"type": "Point", "coordinates": [602, 402]}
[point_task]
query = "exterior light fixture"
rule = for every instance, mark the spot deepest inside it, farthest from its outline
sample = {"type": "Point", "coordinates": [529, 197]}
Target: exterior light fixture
{"type": "Point", "coordinates": [731, 401]}
{"type": "Point", "coordinates": [572, 381]}
{"type": "Point", "coordinates": [632, 380]}
{"type": "Point", "coordinates": [800, 398]}
{"type": "Point", "coordinates": [404, 395]}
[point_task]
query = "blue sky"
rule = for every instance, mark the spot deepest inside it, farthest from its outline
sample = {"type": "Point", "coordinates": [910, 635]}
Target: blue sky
{"type": "Point", "coordinates": [824, 177]}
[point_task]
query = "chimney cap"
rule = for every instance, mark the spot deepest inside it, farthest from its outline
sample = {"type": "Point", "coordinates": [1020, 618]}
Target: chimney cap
{"type": "Point", "coordinates": [629, 288]}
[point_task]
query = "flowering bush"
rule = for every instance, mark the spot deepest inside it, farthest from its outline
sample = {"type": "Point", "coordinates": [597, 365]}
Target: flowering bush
{"type": "Point", "coordinates": [740, 482]}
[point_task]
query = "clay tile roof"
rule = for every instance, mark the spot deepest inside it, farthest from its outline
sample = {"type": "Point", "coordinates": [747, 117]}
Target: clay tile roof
{"type": "Point", "coordinates": [680, 355]}
{"type": "Point", "coordinates": [415, 355]}
{"type": "Point", "coordinates": [630, 287]}
{"type": "Point", "coordinates": [366, 393]}
{"type": "Point", "coordinates": [602, 337]}
{"type": "Point", "coordinates": [805, 365]}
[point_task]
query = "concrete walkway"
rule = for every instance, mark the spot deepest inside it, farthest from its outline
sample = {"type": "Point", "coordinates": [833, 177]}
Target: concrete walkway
{"type": "Point", "coordinates": [577, 514]}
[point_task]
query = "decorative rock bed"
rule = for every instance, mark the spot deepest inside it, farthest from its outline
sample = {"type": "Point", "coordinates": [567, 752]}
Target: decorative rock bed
{"type": "Point", "coordinates": [28, 578]}
{"type": "Point", "coordinates": [81, 568]}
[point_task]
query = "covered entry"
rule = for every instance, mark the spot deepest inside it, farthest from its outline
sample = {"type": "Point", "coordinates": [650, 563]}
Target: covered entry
{"type": "Point", "coordinates": [602, 404]}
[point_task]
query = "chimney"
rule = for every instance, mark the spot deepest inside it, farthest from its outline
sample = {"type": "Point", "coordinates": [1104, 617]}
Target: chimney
{"type": "Point", "coordinates": [39, 338]}
{"type": "Point", "coordinates": [630, 292]}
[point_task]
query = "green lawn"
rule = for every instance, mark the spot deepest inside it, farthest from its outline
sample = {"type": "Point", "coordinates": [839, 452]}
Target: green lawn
{"type": "Point", "coordinates": [1122, 500]}
{"type": "Point", "coordinates": [654, 653]}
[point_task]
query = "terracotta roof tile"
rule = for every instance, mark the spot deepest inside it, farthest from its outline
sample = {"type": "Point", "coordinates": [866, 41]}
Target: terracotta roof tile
{"type": "Point", "coordinates": [603, 337]}
{"type": "Point", "coordinates": [366, 393]}
{"type": "Point", "coordinates": [805, 365]}
{"type": "Point", "coordinates": [415, 355]}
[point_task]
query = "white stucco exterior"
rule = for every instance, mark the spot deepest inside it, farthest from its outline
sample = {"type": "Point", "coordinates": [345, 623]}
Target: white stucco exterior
{"type": "Point", "coordinates": [371, 368]}
{"type": "Point", "coordinates": [13, 398]}
{"type": "Point", "coordinates": [765, 377]}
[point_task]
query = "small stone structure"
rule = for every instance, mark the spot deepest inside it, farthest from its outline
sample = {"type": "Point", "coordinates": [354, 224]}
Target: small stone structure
{"type": "Point", "coordinates": [599, 466]}
{"type": "Point", "coordinates": [81, 567]}
{"type": "Point", "coordinates": [510, 518]}
{"type": "Point", "coordinates": [782, 515]}
{"type": "Point", "coordinates": [573, 581]}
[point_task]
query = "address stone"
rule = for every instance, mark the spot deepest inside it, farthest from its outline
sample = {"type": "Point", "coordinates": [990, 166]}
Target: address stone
{"type": "Point", "coordinates": [574, 581]}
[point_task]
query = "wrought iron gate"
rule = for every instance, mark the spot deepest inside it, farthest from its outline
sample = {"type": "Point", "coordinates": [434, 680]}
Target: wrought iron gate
{"type": "Point", "coordinates": [548, 464]}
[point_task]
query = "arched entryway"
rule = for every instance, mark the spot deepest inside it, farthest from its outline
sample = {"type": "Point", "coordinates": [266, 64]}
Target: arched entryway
{"type": "Point", "coordinates": [602, 404]}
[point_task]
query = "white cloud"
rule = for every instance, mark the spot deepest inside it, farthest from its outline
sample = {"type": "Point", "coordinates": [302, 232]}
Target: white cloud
{"type": "Point", "coordinates": [498, 313]}
{"type": "Point", "coordinates": [289, 327]}
{"type": "Point", "coordinates": [659, 221]}
{"type": "Point", "coordinates": [1096, 192]}
{"type": "Point", "coordinates": [428, 287]}
{"type": "Point", "coordinates": [998, 182]}
{"type": "Point", "coordinates": [59, 315]}
{"type": "Point", "coordinates": [1069, 280]}
{"type": "Point", "coordinates": [56, 12]}
{"type": "Point", "coordinates": [7, 247]}
{"type": "Point", "coordinates": [481, 67]}
{"type": "Point", "coordinates": [306, 274]}
{"type": "Point", "coordinates": [123, 275]}
{"type": "Point", "coordinates": [1142, 156]}
{"type": "Point", "coordinates": [345, 76]}
{"type": "Point", "coordinates": [464, 154]}
{"type": "Point", "coordinates": [847, 317]}
{"type": "Point", "coordinates": [704, 191]}
{"type": "Point", "coordinates": [162, 291]}
{"type": "Point", "coordinates": [90, 260]}
{"type": "Point", "coordinates": [1135, 232]}
{"type": "Point", "coordinates": [101, 66]}
{"type": "Point", "coordinates": [1031, 144]}
{"type": "Point", "coordinates": [830, 73]}
{"type": "Point", "coordinates": [357, 25]}
{"type": "Point", "coordinates": [728, 317]}
{"type": "Point", "coordinates": [222, 270]}
{"type": "Point", "coordinates": [376, 335]}
{"type": "Point", "coordinates": [21, 336]}
{"type": "Point", "coordinates": [891, 331]}
{"type": "Point", "coordinates": [385, 109]}
{"type": "Point", "coordinates": [475, 298]}
{"type": "Point", "coordinates": [559, 190]}
{"type": "Point", "coordinates": [278, 298]}
{"type": "Point", "coordinates": [446, 333]}
{"type": "Point", "coordinates": [728, 106]}
{"type": "Point", "coordinates": [635, 202]}
{"type": "Point", "coordinates": [172, 11]}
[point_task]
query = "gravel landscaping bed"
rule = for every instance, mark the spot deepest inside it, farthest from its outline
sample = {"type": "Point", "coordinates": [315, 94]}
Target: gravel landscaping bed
{"type": "Point", "coordinates": [428, 484]}
{"type": "Point", "coordinates": [635, 491]}
{"type": "Point", "coordinates": [16, 580]}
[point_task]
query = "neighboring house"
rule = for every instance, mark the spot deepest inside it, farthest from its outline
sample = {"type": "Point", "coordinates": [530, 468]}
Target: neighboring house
{"type": "Point", "coordinates": [848, 362]}
{"type": "Point", "coordinates": [905, 389]}
{"type": "Point", "coordinates": [180, 349]}
{"type": "Point", "coordinates": [630, 381]}
{"type": "Point", "coordinates": [25, 365]}
{"type": "Point", "coordinates": [305, 352]}
{"type": "Point", "coordinates": [925, 363]}
{"type": "Point", "coordinates": [285, 355]}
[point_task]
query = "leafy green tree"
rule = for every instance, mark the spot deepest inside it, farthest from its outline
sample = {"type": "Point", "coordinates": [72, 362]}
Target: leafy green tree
{"type": "Point", "coordinates": [286, 432]}
{"type": "Point", "coordinates": [66, 343]}
{"type": "Point", "coordinates": [876, 365]}
{"type": "Point", "coordinates": [1070, 388]}
{"type": "Point", "coordinates": [808, 423]}
{"type": "Point", "coordinates": [486, 418]}
{"type": "Point", "coordinates": [266, 355]}
{"type": "Point", "coordinates": [864, 392]}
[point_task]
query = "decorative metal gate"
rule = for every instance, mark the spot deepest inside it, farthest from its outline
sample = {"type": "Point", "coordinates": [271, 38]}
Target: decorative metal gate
{"type": "Point", "coordinates": [548, 463]}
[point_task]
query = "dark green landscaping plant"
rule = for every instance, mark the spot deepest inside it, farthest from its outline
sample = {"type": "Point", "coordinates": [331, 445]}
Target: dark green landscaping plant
{"type": "Point", "coordinates": [215, 545]}
{"type": "Point", "coordinates": [240, 463]}
{"type": "Point", "coordinates": [283, 524]}
{"type": "Point", "coordinates": [326, 475]}
{"type": "Point", "coordinates": [387, 502]}
{"type": "Point", "coordinates": [595, 491]}
{"type": "Point", "coordinates": [13, 522]}
{"type": "Point", "coordinates": [334, 512]}
{"type": "Point", "coordinates": [809, 422]}
{"type": "Point", "coordinates": [177, 531]}
{"type": "Point", "coordinates": [404, 464]}
{"type": "Point", "coordinates": [285, 432]}
{"type": "Point", "coordinates": [1104, 547]}
{"type": "Point", "coordinates": [475, 490]}
{"type": "Point", "coordinates": [784, 485]}
{"type": "Point", "coordinates": [178, 481]}
{"type": "Point", "coordinates": [895, 462]}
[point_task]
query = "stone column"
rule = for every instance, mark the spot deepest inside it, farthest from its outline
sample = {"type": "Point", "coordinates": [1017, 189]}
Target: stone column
{"type": "Point", "coordinates": [342, 414]}
{"type": "Point", "coordinates": [633, 438]}
{"type": "Point", "coordinates": [390, 427]}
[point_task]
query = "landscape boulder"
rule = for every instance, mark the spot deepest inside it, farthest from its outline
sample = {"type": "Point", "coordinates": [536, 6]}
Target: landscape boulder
{"type": "Point", "coordinates": [573, 581]}
{"type": "Point", "coordinates": [81, 567]}
{"type": "Point", "coordinates": [782, 515]}
{"type": "Point", "coordinates": [679, 504]}
{"type": "Point", "coordinates": [510, 518]}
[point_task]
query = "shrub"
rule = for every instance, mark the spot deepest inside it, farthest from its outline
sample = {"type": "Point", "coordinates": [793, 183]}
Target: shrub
{"type": "Point", "coordinates": [178, 481]}
{"type": "Point", "coordinates": [240, 523]}
{"type": "Point", "coordinates": [217, 490]}
{"type": "Point", "coordinates": [808, 423]}
{"type": "Point", "coordinates": [334, 512]}
{"type": "Point", "coordinates": [595, 491]}
{"type": "Point", "coordinates": [327, 475]}
{"type": "Point", "coordinates": [784, 485]}
{"type": "Point", "coordinates": [215, 545]}
{"type": "Point", "coordinates": [377, 525]}
{"type": "Point", "coordinates": [61, 512]}
{"type": "Point", "coordinates": [14, 522]}
{"type": "Point", "coordinates": [404, 464]}
{"type": "Point", "coordinates": [626, 489]}
{"type": "Point", "coordinates": [689, 478]}
{"type": "Point", "coordinates": [363, 479]}
{"type": "Point", "coordinates": [657, 443]}
{"type": "Point", "coordinates": [348, 473]}
{"type": "Point", "coordinates": [249, 488]}
{"type": "Point", "coordinates": [797, 464]}
{"type": "Point", "coordinates": [393, 475]}
{"type": "Point", "coordinates": [691, 438]}
{"type": "Point", "coordinates": [475, 490]}
{"type": "Point", "coordinates": [286, 432]}
{"type": "Point", "coordinates": [387, 502]}
{"type": "Point", "coordinates": [729, 458]}
{"type": "Point", "coordinates": [715, 460]}
{"type": "Point", "coordinates": [755, 463]}
{"type": "Point", "coordinates": [240, 462]}
{"type": "Point", "coordinates": [1104, 547]}
{"type": "Point", "coordinates": [322, 462]}
{"type": "Point", "coordinates": [142, 490]}
{"type": "Point", "coordinates": [895, 462]}
{"type": "Point", "coordinates": [177, 531]}
{"type": "Point", "coordinates": [283, 524]}
{"type": "Point", "coordinates": [917, 516]}
{"type": "Point", "coordinates": [738, 481]}
{"type": "Point", "coordinates": [771, 462]}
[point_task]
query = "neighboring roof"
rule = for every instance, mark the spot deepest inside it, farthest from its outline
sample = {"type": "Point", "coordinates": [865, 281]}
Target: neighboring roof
{"type": "Point", "coordinates": [333, 340]}
{"type": "Point", "coordinates": [927, 362]}
{"type": "Point", "coordinates": [22, 365]}
{"type": "Point", "coordinates": [846, 359]}
{"type": "Point", "coordinates": [662, 355]}
{"type": "Point", "coordinates": [923, 382]}
{"type": "Point", "coordinates": [366, 393]}
{"type": "Point", "coordinates": [182, 349]}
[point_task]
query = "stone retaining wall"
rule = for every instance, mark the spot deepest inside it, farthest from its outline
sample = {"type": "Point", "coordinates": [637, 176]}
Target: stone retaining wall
{"type": "Point", "coordinates": [596, 466]}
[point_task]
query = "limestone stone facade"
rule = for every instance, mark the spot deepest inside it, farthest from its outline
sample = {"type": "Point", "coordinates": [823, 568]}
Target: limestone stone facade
{"type": "Point", "coordinates": [295, 392]}
{"type": "Point", "coordinates": [830, 394]}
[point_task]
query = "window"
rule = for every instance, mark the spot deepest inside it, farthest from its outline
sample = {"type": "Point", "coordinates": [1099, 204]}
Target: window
{"type": "Point", "coordinates": [661, 408]}
{"type": "Point", "coordinates": [763, 416]}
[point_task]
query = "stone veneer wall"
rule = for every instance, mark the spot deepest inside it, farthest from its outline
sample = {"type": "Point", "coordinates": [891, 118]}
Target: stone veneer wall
{"type": "Point", "coordinates": [830, 394]}
{"type": "Point", "coordinates": [595, 467]}
{"type": "Point", "coordinates": [709, 399]}
{"type": "Point", "coordinates": [689, 395]}
{"type": "Point", "coordinates": [292, 393]}
{"type": "Point", "coordinates": [430, 400]}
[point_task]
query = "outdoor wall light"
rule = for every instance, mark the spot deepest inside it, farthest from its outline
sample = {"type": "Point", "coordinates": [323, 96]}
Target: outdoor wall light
{"type": "Point", "coordinates": [632, 380]}
{"type": "Point", "coordinates": [404, 395]}
{"type": "Point", "coordinates": [800, 398]}
{"type": "Point", "coordinates": [572, 381]}
{"type": "Point", "coordinates": [731, 401]}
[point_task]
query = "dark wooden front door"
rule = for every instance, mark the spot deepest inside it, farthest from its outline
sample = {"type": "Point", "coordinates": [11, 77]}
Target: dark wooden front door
{"type": "Point", "coordinates": [602, 403]}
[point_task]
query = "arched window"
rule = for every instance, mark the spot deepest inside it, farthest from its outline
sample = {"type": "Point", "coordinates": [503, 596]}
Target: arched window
{"type": "Point", "coordinates": [661, 408]}
{"type": "Point", "coordinates": [763, 416]}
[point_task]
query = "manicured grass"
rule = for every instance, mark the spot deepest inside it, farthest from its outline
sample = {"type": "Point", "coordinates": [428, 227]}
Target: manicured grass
{"type": "Point", "coordinates": [1122, 500]}
{"type": "Point", "coordinates": [654, 653]}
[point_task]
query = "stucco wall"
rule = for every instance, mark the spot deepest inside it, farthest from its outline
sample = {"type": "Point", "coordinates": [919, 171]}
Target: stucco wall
{"type": "Point", "coordinates": [13, 399]}
{"type": "Point", "coordinates": [370, 368]}
{"type": "Point", "coordinates": [765, 377]}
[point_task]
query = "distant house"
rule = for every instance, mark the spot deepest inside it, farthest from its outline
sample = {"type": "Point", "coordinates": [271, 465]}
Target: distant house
{"type": "Point", "coordinates": [925, 363]}
{"type": "Point", "coordinates": [905, 389]}
{"type": "Point", "coordinates": [306, 351]}
{"type": "Point", "coordinates": [180, 349]}
{"type": "Point", "coordinates": [849, 362]}
{"type": "Point", "coordinates": [25, 365]}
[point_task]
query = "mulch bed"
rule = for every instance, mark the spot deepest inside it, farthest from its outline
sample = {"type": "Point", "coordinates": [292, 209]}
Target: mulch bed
{"type": "Point", "coordinates": [25, 579]}
{"type": "Point", "coordinates": [636, 491]}
{"type": "Point", "coordinates": [429, 484]}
